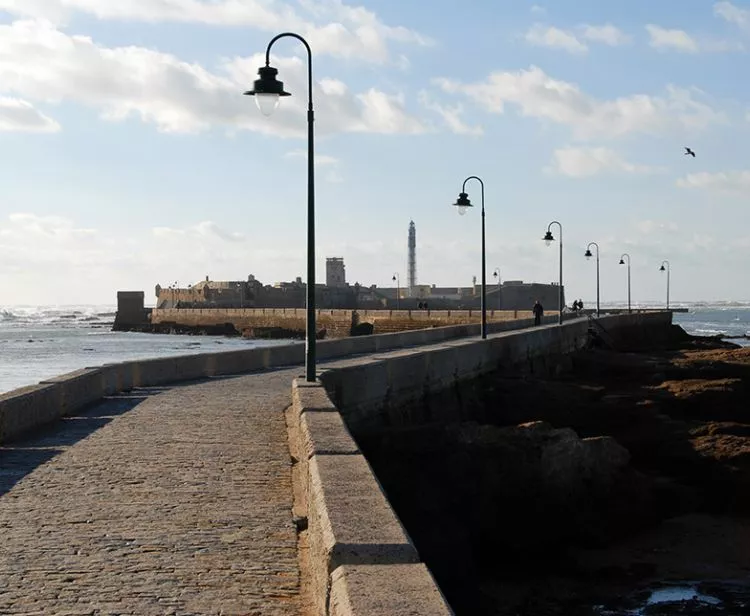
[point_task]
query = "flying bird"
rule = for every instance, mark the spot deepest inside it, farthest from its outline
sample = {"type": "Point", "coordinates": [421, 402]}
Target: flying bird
{"type": "Point", "coordinates": [689, 152]}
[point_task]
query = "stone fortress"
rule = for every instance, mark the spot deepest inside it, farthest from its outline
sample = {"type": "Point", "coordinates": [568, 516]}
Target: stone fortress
{"type": "Point", "coordinates": [337, 293]}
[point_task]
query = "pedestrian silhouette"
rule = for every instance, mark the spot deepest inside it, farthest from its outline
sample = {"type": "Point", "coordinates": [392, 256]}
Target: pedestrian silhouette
{"type": "Point", "coordinates": [538, 311]}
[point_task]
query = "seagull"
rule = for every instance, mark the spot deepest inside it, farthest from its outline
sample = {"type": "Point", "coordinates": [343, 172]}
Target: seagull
{"type": "Point", "coordinates": [689, 152]}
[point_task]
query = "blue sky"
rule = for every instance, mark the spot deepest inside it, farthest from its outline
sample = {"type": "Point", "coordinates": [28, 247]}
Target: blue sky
{"type": "Point", "coordinates": [129, 156]}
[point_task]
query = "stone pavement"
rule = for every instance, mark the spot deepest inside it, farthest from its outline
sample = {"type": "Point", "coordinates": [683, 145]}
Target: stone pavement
{"type": "Point", "coordinates": [172, 500]}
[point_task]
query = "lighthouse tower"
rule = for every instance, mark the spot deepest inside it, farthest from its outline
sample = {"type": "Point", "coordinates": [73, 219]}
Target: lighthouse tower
{"type": "Point", "coordinates": [411, 266]}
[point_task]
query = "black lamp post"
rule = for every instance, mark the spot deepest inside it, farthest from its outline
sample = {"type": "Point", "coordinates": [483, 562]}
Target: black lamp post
{"type": "Point", "coordinates": [549, 238]}
{"type": "Point", "coordinates": [622, 262]}
{"type": "Point", "coordinates": [397, 280]}
{"type": "Point", "coordinates": [267, 91]}
{"type": "Point", "coordinates": [462, 203]}
{"type": "Point", "coordinates": [667, 269]}
{"type": "Point", "coordinates": [496, 274]}
{"type": "Point", "coordinates": [588, 255]}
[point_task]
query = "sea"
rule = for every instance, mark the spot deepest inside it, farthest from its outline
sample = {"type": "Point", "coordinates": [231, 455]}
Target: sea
{"type": "Point", "coordinates": [40, 342]}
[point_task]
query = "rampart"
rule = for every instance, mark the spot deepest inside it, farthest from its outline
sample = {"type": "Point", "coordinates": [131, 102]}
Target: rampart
{"type": "Point", "coordinates": [336, 323]}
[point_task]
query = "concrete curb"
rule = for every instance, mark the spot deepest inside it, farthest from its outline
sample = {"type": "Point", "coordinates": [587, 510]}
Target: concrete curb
{"type": "Point", "coordinates": [355, 537]}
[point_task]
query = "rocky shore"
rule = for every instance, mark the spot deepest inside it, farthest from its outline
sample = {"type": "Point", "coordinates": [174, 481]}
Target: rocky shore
{"type": "Point", "coordinates": [587, 492]}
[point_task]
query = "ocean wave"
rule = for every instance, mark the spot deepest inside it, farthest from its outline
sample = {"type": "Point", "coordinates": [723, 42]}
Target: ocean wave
{"type": "Point", "coordinates": [69, 316]}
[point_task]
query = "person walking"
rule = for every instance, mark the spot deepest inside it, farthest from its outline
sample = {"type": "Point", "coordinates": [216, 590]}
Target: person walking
{"type": "Point", "coordinates": [538, 311]}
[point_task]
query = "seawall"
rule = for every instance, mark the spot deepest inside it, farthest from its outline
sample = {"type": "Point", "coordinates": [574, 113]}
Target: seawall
{"type": "Point", "coordinates": [363, 561]}
{"type": "Point", "coordinates": [336, 323]}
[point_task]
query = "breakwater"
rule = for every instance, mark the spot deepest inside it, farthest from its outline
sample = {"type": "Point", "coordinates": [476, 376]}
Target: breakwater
{"type": "Point", "coordinates": [290, 322]}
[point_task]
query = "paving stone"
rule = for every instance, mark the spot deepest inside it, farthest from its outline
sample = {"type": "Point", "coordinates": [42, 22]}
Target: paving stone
{"type": "Point", "coordinates": [177, 501]}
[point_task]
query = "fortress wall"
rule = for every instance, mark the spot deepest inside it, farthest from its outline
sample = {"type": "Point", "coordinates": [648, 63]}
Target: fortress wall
{"type": "Point", "coordinates": [337, 323]}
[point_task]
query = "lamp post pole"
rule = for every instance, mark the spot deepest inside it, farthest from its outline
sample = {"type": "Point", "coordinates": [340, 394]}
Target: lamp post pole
{"type": "Point", "coordinates": [241, 287]}
{"type": "Point", "coordinates": [397, 278]}
{"type": "Point", "coordinates": [549, 238]}
{"type": "Point", "coordinates": [463, 202]}
{"type": "Point", "coordinates": [667, 269]}
{"type": "Point", "coordinates": [622, 262]}
{"type": "Point", "coordinates": [267, 90]}
{"type": "Point", "coordinates": [588, 255]}
{"type": "Point", "coordinates": [496, 274]}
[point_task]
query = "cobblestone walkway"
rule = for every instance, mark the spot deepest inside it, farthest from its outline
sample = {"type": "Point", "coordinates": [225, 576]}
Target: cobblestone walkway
{"type": "Point", "coordinates": [173, 500]}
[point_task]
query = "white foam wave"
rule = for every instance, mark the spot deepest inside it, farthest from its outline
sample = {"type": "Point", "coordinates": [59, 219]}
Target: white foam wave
{"type": "Point", "coordinates": [40, 316]}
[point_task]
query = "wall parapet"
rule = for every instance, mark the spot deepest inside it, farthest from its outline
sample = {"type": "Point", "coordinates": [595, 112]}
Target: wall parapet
{"type": "Point", "coordinates": [362, 560]}
{"type": "Point", "coordinates": [29, 407]}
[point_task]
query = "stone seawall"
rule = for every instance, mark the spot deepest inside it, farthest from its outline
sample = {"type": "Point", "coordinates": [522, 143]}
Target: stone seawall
{"type": "Point", "coordinates": [336, 323]}
{"type": "Point", "coordinates": [363, 561]}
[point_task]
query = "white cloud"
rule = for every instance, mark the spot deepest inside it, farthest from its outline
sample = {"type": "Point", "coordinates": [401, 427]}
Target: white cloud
{"type": "Point", "coordinates": [725, 181]}
{"type": "Point", "coordinates": [733, 14]}
{"type": "Point", "coordinates": [18, 115]}
{"type": "Point", "coordinates": [607, 34]}
{"type": "Point", "coordinates": [333, 175]}
{"type": "Point", "coordinates": [39, 62]}
{"type": "Point", "coordinates": [549, 36]}
{"type": "Point", "coordinates": [679, 40]}
{"type": "Point", "coordinates": [650, 227]}
{"type": "Point", "coordinates": [451, 116]}
{"type": "Point", "coordinates": [321, 160]}
{"type": "Point", "coordinates": [539, 96]}
{"type": "Point", "coordinates": [662, 38]}
{"type": "Point", "coordinates": [202, 230]}
{"type": "Point", "coordinates": [538, 10]}
{"type": "Point", "coordinates": [353, 31]}
{"type": "Point", "coordinates": [587, 162]}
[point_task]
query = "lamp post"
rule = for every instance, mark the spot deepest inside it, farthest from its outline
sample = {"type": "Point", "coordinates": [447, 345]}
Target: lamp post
{"type": "Point", "coordinates": [496, 274]}
{"type": "Point", "coordinates": [462, 203]}
{"type": "Point", "coordinates": [397, 280]}
{"type": "Point", "coordinates": [622, 262]}
{"type": "Point", "coordinates": [588, 255]}
{"type": "Point", "coordinates": [667, 269]}
{"type": "Point", "coordinates": [267, 91]}
{"type": "Point", "coordinates": [548, 239]}
{"type": "Point", "coordinates": [241, 288]}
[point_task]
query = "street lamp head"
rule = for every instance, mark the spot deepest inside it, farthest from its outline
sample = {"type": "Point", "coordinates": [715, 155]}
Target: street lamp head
{"type": "Point", "coordinates": [662, 268]}
{"type": "Point", "coordinates": [495, 274]}
{"type": "Point", "coordinates": [394, 279]}
{"type": "Point", "coordinates": [548, 238]}
{"type": "Point", "coordinates": [622, 261]}
{"type": "Point", "coordinates": [267, 90]}
{"type": "Point", "coordinates": [588, 254]}
{"type": "Point", "coordinates": [462, 203]}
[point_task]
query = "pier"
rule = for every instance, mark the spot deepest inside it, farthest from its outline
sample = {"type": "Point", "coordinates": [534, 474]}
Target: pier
{"type": "Point", "coordinates": [219, 484]}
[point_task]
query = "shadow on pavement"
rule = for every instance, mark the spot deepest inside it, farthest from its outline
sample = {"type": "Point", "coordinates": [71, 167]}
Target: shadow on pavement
{"type": "Point", "coordinates": [20, 457]}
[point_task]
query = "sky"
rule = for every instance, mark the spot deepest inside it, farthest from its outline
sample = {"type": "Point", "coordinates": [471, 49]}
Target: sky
{"type": "Point", "coordinates": [129, 156]}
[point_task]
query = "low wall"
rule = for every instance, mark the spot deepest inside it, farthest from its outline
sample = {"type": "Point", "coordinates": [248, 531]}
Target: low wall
{"type": "Point", "coordinates": [30, 407]}
{"type": "Point", "coordinates": [362, 559]}
{"type": "Point", "coordinates": [375, 391]}
{"type": "Point", "coordinates": [337, 323]}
